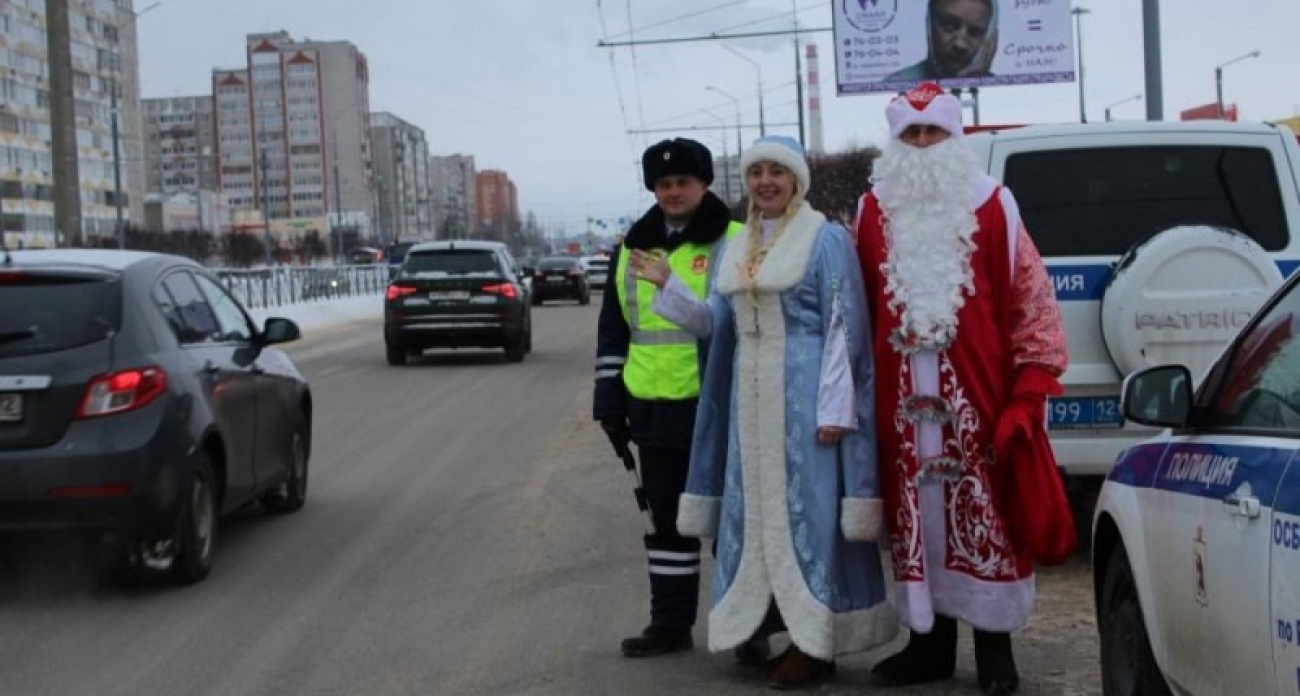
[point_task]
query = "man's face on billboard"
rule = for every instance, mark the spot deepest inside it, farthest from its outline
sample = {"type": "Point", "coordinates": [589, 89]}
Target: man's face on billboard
{"type": "Point", "coordinates": [958, 29]}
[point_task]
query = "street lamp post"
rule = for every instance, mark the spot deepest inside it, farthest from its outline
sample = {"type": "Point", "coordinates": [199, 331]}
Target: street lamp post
{"type": "Point", "coordinates": [726, 156]}
{"type": "Point", "coordinates": [735, 102]}
{"type": "Point", "coordinates": [1218, 79]}
{"type": "Point", "coordinates": [762, 123]}
{"type": "Point", "coordinates": [1126, 100]}
{"type": "Point", "coordinates": [266, 213]}
{"type": "Point", "coordinates": [1078, 13]}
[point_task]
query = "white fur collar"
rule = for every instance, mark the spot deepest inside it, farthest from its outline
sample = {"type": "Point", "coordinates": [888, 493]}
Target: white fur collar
{"type": "Point", "coordinates": [785, 265]}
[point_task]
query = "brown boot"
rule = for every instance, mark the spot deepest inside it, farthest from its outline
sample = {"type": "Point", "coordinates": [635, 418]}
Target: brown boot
{"type": "Point", "coordinates": [795, 669]}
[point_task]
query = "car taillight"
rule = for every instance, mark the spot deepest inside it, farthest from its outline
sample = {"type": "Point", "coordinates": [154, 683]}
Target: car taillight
{"type": "Point", "coordinates": [123, 391]}
{"type": "Point", "coordinates": [505, 290]}
{"type": "Point", "coordinates": [396, 291]}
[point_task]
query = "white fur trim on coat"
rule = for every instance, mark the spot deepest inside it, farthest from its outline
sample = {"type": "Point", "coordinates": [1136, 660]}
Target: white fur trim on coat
{"type": "Point", "coordinates": [786, 264]}
{"type": "Point", "coordinates": [768, 567]}
{"type": "Point", "coordinates": [862, 519]}
{"type": "Point", "coordinates": [698, 515]}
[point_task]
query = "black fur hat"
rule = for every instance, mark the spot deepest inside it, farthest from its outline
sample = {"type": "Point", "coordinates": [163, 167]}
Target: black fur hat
{"type": "Point", "coordinates": [677, 156]}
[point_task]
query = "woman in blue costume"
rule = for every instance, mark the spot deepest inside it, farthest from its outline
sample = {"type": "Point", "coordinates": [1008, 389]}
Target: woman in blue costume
{"type": "Point", "coordinates": [783, 463]}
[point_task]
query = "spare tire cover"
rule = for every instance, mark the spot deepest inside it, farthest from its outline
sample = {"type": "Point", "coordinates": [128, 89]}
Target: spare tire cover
{"type": "Point", "coordinates": [1182, 295]}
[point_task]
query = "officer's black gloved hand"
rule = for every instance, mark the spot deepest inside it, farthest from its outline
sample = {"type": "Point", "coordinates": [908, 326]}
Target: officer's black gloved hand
{"type": "Point", "coordinates": [617, 431]}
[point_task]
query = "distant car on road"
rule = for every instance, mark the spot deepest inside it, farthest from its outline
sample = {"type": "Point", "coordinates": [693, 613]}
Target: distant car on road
{"type": "Point", "coordinates": [597, 268]}
{"type": "Point", "coordinates": [560, 277]}
{"type": "Point", "coordinates": [325, 282]}
{"type": "Point", "coordinates": [139, 401]}
{"type": "Point", "coordinates": [1196, 539]}
{"type": "Point", "coordinates": [395, 255]}
{"type": "Point", "coordinates": [454, 294]}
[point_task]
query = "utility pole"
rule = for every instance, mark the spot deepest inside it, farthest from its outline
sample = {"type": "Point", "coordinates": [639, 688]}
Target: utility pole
{"type": "Point", "coordinates": [336, 226]}
{"type": "Point", "coordinates": [1151, 40]}
{"type": "Point", "coordinates": [117, 160]}
{"type": "Point", "coordinates": [63, 125]}
{"type": "Point", "coordinates": [266, 213]}
{"type": "Point", "coordinates": [1078, 13]}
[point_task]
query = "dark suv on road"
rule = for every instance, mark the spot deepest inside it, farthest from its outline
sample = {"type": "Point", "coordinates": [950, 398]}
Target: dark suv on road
{"type": "Point", "coordinates": [139, 401]}
{"type": "Point", "coordinates": [454, 294]}
{"type": "Point", "coordinates": [560, 278]}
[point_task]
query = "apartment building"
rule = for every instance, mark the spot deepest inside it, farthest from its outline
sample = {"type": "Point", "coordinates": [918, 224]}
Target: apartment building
{"type": "Point", "coordinates": [402, 186]}
{"type": "Point", "coordinates": [97, 53]}
{"type": "Point", "coordinates": [293, 134]}
{"type": "Point", "coordinates": [454, 181]}
{"type": "Point", "coordinates": [179, 139]}
{"type": "Point", "coordinates": [497, 212]}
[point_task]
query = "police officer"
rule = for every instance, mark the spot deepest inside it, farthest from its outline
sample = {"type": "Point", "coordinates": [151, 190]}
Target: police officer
{"type": "Point", "coordinates": [648, 373]}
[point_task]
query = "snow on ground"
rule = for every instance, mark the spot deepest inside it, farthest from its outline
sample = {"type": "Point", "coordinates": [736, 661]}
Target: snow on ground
{"type": "Point", "coordinates": [322, 314]}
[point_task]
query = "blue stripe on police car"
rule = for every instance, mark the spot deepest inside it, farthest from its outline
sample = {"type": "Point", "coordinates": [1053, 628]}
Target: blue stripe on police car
{"type": "Point", "coordinates": [1087, 281]}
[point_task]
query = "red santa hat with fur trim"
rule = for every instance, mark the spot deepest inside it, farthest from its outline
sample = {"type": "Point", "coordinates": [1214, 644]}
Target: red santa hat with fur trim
{"type": "Point", "coordinates": [927, 105]}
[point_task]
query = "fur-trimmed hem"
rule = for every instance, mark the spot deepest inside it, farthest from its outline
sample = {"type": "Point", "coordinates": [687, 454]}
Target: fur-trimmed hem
{"type": "Point", "coordinates": [698, 515]}
{"type": "Point", "coordinates": [862, 519]}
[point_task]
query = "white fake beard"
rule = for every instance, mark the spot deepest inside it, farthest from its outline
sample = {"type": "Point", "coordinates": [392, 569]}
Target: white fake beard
{"type": "Point", "coordinates": [926, 195]}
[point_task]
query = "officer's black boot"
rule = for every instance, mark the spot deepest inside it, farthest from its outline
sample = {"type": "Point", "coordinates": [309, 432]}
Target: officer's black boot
{"type": "Point", "coordinates": [928, 657]}
{"type": "Point", "coordinates": [674, 593]}
{"type": "Point", "coordinates": [995, 663]}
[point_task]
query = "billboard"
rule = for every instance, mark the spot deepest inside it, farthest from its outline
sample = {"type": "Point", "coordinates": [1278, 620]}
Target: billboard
{"type": "Point", "coordinates": [892, 45]}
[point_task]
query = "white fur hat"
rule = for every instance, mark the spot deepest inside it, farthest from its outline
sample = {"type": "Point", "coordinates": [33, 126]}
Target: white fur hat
{"type": "Point", "coordinates": [783, 150]}
{"type": "Point", "coordinates": [925, 104]}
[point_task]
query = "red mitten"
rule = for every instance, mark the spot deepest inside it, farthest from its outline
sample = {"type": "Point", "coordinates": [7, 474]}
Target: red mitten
{"type": "Point", "coordinates": [1025, 411]}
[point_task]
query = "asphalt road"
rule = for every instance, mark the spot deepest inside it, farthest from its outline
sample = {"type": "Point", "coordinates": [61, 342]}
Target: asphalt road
{"type": "Point", "coordinates": [467, 531]}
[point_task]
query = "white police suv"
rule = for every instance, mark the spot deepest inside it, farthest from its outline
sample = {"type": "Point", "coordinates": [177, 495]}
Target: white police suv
{"type": "Point", "coordinates": [1162, 240]}
{"type": "Point", "coordinates": [1196, 548]}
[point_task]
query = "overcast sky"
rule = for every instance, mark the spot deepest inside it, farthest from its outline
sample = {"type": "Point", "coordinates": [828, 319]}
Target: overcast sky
{"type": "Point", "coordinates": [522, 85]}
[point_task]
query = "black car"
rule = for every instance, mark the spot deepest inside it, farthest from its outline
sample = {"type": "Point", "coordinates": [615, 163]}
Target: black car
{"type": "Point", "coordinates": [455, 294]}
{"type": "Point", "coordinates": [560, 278]}
{"type": "Point", "coordinates": [318, 283]}
{"type": "Point", "coordinates": [138, 401]}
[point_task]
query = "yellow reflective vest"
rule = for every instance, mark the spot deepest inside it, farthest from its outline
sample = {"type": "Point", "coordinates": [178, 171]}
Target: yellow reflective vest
{"type": "Point", "coordinates": [662, 360]}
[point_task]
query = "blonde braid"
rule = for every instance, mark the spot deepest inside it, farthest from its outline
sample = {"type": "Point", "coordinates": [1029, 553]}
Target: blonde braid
{"type": "Point", "coordinates": [757, 252]}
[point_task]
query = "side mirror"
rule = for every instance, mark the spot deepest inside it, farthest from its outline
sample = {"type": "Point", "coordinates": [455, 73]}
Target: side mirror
{"type": "Point", "coordinates": [280, 330]}
{"type": "Point", "coordinates": [1158, 396]}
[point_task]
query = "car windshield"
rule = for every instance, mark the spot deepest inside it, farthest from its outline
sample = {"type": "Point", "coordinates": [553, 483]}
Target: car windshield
{"type": "Point", "coordinates": [451, 262]}
{"type": "Point", "coordinates": [1102, 201]}
{"type": "Point", "coordinates": [557, 265]}
{"type": "Point", "coordinates": [50, 312]}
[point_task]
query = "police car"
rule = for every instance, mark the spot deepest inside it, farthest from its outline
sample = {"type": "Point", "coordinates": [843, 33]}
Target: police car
{"type": "Point", "coordinates": [1196, 552]}
{"type": "Point", "coordinates": [1162, 240]}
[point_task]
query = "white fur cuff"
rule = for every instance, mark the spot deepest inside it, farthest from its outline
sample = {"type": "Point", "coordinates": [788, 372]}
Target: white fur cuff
{"type": "Point", "coordinates": [862, 519]}
{"type": "Point", "coordinates": [698, 515]}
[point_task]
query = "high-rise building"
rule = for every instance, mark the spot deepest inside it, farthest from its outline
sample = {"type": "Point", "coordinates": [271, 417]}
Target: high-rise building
{"type": "Point", "coordinates": [293, 133]}
{"type": "Point", "coordinates": [401, 165]}
{"type": "Point", "coordinates": [454, 180]}
{"type": "Point", "coordinates": [179, 139]}
{"type": "Point", "coordinates": [95, 50]}
{"type": "Point", "coordinates": [498, 204]}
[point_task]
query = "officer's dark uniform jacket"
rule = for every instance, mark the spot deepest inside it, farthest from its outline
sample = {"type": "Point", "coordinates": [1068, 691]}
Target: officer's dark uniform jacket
{"type": "Point", "coordinates": [661, 428]}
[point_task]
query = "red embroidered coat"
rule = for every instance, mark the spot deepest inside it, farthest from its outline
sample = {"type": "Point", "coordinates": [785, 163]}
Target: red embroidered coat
{"type": "Point", "coordinates": [936, 415]}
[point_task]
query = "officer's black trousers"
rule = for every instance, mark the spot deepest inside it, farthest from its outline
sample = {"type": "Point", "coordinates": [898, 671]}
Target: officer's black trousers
{"type": "Point", "coordinates": [674, 560]}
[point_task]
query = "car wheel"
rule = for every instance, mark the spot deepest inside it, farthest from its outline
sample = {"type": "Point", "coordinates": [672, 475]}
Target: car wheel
{"type": "Point", "coordinates": [537, 301]}
{"type": "Point", "coordinates": [516, 347]}
{"type": "Point", "coordinates": [395, 355]}
{"type": "Point", "coordinates": [198, 527]}
{"type": "Point", "coordinates": [291, 494]}
{"type": "Point", "coordinates": [1128, 667]}
{"type": "Point", "coordinates": [585, 298]}
{"type": "Point", "coordinates": [528, 335]}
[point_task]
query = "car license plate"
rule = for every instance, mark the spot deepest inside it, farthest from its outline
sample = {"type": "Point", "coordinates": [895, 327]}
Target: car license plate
{"type": "Point", "coordinates": [1068, 412]}
{"type": "Point", "coordinates": [449, 295]}
{"type": "Point", "coordinates": [555, 276]}
{"type": "Point", "coordinates": [11, 408]}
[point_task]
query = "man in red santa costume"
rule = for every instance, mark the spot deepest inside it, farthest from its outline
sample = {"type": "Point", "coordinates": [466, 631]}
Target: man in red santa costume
{"type": "Point", "coordinates": [968, 344]}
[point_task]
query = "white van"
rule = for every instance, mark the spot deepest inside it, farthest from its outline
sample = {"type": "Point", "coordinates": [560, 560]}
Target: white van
{"type": "Point", "coordinates": [1162, 239]}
